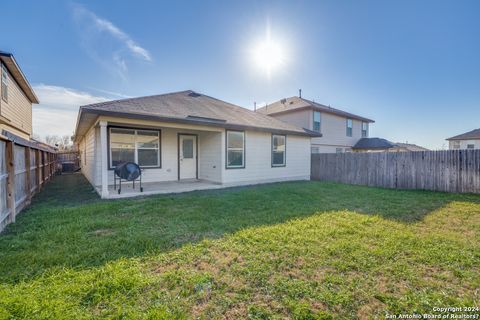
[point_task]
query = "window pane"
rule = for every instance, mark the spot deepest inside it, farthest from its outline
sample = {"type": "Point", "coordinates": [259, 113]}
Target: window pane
{"type": "Point", "coordinates": [187, 148]}
{"type": "Point", "coordinates": [278, 158]}
{"type": "Point", "coordinates": [122, 136]}
{"type": "Point", "coordinates": [147, 157]}
{"type": "Point", "coordinates": [349, 123]}
{"type": "Point", "coordinates": [235, 158]}
{"type": "Point", "coordinates": [279, 143]}
{"type": "Point", "coordinates": [316, 121]}
{"type": "Point", "coordinates": [235, 139]}
{"type": "Point", "coordinates": [120, 155]}
{"type": "Point", "coordinates": [147, 139]}
{"type": "Point", "coordinates": [122, 144]}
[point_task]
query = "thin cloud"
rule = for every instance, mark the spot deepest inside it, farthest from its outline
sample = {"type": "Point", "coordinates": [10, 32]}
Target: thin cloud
{"type": "Point", "coordinates": [57, 112]}
{"type": "Point", "coordinates": [106, 25]}
{"type": "Point", "coordinates": [106, 43]}
{"type": "Point", "coordinates": [110, 93]}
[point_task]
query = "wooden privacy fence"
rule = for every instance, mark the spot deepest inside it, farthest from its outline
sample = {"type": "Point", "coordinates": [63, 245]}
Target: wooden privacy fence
{"type": "Point", "coordinates": [450, 171]}
{"type": "Point", "coordinates": [24, 168]}
{"type": "Point", "coordinates": [68, 161]}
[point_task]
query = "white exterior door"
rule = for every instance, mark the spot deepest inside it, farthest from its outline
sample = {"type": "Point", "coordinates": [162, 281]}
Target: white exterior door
{"type": "Point", "coordinates": [187, 156]}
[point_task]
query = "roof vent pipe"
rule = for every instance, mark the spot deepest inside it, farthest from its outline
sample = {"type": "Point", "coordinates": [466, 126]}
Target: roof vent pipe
{"type": "Point", "coordinates": [299, 93]}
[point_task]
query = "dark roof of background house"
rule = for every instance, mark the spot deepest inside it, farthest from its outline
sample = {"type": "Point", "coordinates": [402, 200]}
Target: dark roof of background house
{"type": "Point", "coordinates": [296, 103]}
{"type": "Point", "coordinates": [474, 134]}
{"type": "Point", "coordinates": [187, 107]}
{"type": "Point", "coordinates": [13, 68]}
{"type": "Point", "coordinates": [373, 143]}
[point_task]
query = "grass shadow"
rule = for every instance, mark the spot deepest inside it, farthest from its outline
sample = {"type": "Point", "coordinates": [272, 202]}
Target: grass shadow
{"type": "Point", "coordinates": [67, 224]}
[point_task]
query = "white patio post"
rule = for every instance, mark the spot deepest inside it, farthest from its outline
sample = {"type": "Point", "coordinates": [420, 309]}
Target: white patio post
{"type": "Point", "coordinates": [104, 158]}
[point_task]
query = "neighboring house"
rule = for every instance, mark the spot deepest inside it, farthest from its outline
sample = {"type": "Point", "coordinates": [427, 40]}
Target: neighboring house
{"type": "Point", "coordinates": [188, 136]}
{"type": "Point", "coordinates": [16, 98]}
{"type": "Point", "coordinates": [468, 140]}
{"type": "Point", "coordinates": [409, 147]}
{"type": "Point", "coordinates": [383, 145]}
{"type": "Point", "coordinates": [340, 130]}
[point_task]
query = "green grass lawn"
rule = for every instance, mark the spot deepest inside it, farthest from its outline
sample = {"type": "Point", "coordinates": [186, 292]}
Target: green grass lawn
{"type": "Point", "coordinates": [302, 250]}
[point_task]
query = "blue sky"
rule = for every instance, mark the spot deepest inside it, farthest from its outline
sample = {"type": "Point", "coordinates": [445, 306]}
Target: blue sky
{"type": "Point", "coordinates": [413, 66]}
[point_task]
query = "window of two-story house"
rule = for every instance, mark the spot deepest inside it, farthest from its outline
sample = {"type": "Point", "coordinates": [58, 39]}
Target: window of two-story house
{"type": "Point", "coordinates": [364, 129]}
{"type": "Point", "coordinates": [349, 127]}
{"type": "Point", "coordinates": [4, 83]}
{"type": "Point", "coordinates": [316, 121]}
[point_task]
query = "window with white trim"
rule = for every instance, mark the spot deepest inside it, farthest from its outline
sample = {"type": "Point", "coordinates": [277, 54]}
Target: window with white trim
{"type": "Point", "coordinates": [134, 145]}
{"type": "Point", "coordinates": [279, 154]}
{"type": "Point", "coordinates": [349, 127]}
{"type": "Point", "coordinates": [235, 149]}
{"type": "Point", "coordinates": [456, 144]}
{"type": "Point", "coordinates": [470, 146]}
{"type": "Point", "coordinates": [316, 121]}
{"type": "Point", "coordinates": [364, 129]}
{"type": "Point", "coordinates": [4, 83]}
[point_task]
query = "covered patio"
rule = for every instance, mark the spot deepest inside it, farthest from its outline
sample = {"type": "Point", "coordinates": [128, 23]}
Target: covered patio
{"type": "Point", "coordinates": [164, 187]}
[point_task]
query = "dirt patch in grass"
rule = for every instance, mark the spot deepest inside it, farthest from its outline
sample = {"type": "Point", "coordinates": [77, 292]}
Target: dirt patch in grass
{"type": "Point", "coordinates": [102, 232]}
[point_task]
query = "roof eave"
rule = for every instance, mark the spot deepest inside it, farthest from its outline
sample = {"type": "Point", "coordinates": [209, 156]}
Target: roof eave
{"type": "Point", "coordinates": [232, 126]}
{"type": "Point", "coordinates": [319, 109]}
{"type": "Point", "coordinates": [19, 75]}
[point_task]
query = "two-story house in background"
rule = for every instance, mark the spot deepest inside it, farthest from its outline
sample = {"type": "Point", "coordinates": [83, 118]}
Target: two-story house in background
{"type": "Point", "coordinates": [467, 140]}
{"type": "Point", "coordinates": [340, 130]}
{"type": "Point", "coordinates": [16, 99]}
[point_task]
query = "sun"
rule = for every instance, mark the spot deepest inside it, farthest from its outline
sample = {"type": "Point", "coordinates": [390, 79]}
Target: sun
{"type": "Point", "coordinates": [268, 55]}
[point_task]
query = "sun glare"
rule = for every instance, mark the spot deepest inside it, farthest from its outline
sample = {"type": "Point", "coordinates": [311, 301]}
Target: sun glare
{"type": "Point", "coordinates": [268, 55]}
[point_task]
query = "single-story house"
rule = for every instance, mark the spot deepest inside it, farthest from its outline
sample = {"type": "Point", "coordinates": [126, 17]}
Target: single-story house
{"type": "Point", "coordinates": [187, 141]}
{"type": "Point", "coordinates": [467, 140]}
{"type": "Point", "coordinates": [383, 145]}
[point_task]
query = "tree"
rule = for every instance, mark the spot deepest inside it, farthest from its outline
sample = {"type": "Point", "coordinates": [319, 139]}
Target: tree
{"type": "Point", "coordinates": [63, 143]}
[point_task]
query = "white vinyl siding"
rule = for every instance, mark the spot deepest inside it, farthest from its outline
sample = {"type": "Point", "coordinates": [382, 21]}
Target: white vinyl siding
{"type": "Point", "coordinates": [258, 160]}
{"type": "Point", "coordinates": [464, 144]}
{"type": "Point", "coordinates": [211, 155]}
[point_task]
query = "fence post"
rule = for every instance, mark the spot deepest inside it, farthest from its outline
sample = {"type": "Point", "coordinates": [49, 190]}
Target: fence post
{"type": "Point", "coordinates": [28, 185]}
{"type": "Point", "coordinates": [37, 169]}
{"type": "Point", "coordinates": [10, 162]}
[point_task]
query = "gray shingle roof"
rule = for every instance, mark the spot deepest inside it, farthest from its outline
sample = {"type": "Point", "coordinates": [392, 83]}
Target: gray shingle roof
{"type": "Point", "coordinates": [373, 143]}
{"type": "Point", "coordinates": [297, 103]}
{"type": "Point", "coordinates": [410, 147]}
{"type": "Point", "coordinates": [190, 107]}
{"type": "Point", "coordinates": [474, 134]}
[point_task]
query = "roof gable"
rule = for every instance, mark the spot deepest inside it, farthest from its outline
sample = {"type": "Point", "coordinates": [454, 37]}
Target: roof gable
{"type": "Point", "coordinates": [474, 134]}
{"type": "Point", "coordinates": [9, 61]}
{"type": "Point", "coordinates": [190, 107]}
{"type": "Point", "coordinates": [296, 104]}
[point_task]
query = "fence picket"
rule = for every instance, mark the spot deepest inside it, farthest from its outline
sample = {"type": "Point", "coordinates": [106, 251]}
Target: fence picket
{"type": "Point", "coordinates": [450, 171]}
